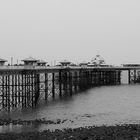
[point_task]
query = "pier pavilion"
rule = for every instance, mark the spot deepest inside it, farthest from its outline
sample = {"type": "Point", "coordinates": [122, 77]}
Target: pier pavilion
{"type": "Point", "coordinates": [83, 64]}
{"type": "Point", "coordinates": [65, 63]}
{"type": "Point", "coordinates": [30, 61]}
{"type": "Point", "coordinates": [41, 63]}
{"type": "Point", "coordinates": [2, 62]}
{"type": "Point", "coordinates": [97, 60]}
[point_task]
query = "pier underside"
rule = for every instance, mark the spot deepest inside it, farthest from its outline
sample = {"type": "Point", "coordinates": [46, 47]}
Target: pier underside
{"type": "Point", "coordinates": [24, 88]}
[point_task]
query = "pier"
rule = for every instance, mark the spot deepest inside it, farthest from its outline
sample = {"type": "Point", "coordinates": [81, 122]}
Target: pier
{"type": "Point", "coordinates": [22, 86]}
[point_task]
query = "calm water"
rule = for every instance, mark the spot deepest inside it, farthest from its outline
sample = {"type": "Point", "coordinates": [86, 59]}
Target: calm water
{"type": "Point", "coordinates": [108, 105]}
{"type": "Point", "coordinates": [104, 105]}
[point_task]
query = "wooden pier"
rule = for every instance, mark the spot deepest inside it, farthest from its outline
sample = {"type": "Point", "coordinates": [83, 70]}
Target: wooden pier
{"type": "Point", "coordinates": [25, 86]}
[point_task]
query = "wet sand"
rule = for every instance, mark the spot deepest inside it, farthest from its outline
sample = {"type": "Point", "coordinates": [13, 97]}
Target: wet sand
{"type": "Point", "coordinates": [118, 132]}
{"type": "Point", "coordinates": [125, 132]}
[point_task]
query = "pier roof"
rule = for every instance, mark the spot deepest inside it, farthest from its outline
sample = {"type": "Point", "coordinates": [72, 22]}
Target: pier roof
{"type": "Point", "coordinates": [98, 60]}
{"type": "Point", "coordinates": [65, 62]}
{"type": "Point", "coordinates": [84, 63]}
{"type": "Point", "coordinates": [3, 60]}
{"type": "Point", "coordinates": [30, 59]}
{"type": "Point", "coordinates": [41, 62]}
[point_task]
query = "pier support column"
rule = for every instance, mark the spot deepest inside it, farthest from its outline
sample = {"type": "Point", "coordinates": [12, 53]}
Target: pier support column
{"type": "Point", "coordinates": [70, 82]}
{"type": "Point", "coordinates": [80, 80]}
{"type": "Point", "coordinates": [75, 81]}
{"type": "Point", "coordinates": [28, 90]}
{"type": "Point", "coordinates": [85, 79]}
{"type": "Point", "coordinates": [60, 84]}
{"type": "Point", "coordinates": [19, 86]}
{"type": "Point", "coordinates": [2, 91]}
{"type": "Point", "coordinates": [33, 88]}
{"type": "Point", "coordinates": [65, 82]}
{"type": "Point", "coordinates": [135, 76]}
{"type": "Point", "coordinates": [119, 77]}
{"type": "Point", "coordinates": [37, 87]}
{"type": "Point", "coordinates": [46, 86]}
{"type": "Point", "coordinates": [8, 93]}
{"type": "Point", "coordinates": [90, 78]}
{"type": "Point", "coordinates": [129, 77]}
{"type": "Point", "coordinates": [95, 79]}
{"type": "Point", "coordinates": [53, 85]}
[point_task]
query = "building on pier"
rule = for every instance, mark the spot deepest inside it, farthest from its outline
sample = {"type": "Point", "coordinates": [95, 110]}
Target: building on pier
{"type": "Point", "coordinates": [30, 61]}
{"type": "Point", "coordinates": [2, 62]}
{"type": "Point", "coordinates": [97, 61]}
{"type": "Point", "coordinates": [73, 64]}
{"type": "Point", "coordinates": [65, 63]}
{"type": "Point", "coordinates": [41, 63]}
{"type": "Point", "coordinates": [83, 64]}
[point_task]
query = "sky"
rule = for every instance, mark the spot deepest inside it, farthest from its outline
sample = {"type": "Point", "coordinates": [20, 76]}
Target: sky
{"type": "Point", "coordinates": [76, 30]}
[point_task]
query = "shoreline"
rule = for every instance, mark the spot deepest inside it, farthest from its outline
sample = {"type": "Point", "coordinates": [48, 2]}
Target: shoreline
{"type": "Point", "coordinates": [117, 132]}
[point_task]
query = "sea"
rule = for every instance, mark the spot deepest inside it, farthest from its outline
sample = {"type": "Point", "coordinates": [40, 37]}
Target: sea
{"type": "Point", "coordinates": [104, 105]}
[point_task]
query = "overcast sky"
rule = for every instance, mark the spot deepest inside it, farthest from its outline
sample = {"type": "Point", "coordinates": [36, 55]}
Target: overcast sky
{"type": "Point", "coordinates": [73, 29]}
